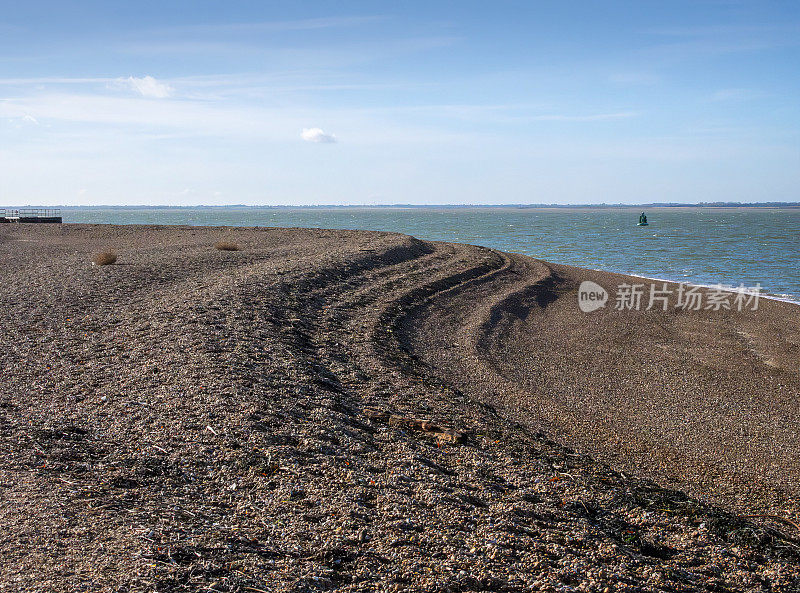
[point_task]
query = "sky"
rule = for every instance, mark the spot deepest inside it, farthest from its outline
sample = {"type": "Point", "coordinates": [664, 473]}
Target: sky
{"type": "Point", "coordinates": [303, 103]}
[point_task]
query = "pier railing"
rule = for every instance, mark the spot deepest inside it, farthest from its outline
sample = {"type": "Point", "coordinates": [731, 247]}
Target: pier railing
{"type": "Point", "coordinates": [30, 215]}
{"type": "Point", "coordinates": [30, 212]}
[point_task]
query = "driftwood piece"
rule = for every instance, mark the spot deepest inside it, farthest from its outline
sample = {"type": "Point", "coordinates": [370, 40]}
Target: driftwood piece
{"type": "Point", "coordinates": [425, 427]}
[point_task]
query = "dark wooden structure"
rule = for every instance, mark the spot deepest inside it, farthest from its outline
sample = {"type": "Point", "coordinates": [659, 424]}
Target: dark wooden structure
{"type": "Point", "coordinates": [52, 215]}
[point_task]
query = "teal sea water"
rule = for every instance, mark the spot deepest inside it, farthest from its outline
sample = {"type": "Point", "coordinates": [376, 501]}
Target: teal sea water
{"type": "Point", "coordinates": [728, 246]}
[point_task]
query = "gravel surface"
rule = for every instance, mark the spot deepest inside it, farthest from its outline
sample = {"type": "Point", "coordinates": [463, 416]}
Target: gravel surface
{"type": "Point", "coordinates": [704, 401]}
{"type": "Point", "coordinates": [355, 411]}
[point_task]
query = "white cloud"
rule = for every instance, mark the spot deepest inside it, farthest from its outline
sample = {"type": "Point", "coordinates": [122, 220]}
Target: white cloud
{"type": "Point", "coordinates": [30, 119]}
{"type": "Point", "coordinates": [317, 135]}
{"type": "Point", "coordinates": [147, 86]}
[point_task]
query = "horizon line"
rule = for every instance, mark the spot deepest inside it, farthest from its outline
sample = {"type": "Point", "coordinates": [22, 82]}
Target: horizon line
{"type": "Point", "coordinates": [772, 204]}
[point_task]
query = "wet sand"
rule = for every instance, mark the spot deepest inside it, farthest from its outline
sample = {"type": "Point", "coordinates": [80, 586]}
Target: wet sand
{"type": "Point", "coordinates": [357, 411]}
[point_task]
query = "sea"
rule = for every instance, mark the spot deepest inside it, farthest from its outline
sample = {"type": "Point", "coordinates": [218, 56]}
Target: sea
{"type": "Point", "coordinates": [731, 247]}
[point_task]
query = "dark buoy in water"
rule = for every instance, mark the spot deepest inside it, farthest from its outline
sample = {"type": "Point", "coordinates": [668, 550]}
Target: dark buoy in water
{"type": "Point", "coordinates": [642, 220]}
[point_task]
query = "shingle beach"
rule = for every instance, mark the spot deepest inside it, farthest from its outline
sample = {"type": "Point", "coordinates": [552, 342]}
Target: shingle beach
{"type": "Point", "coordinates": [317, 410]}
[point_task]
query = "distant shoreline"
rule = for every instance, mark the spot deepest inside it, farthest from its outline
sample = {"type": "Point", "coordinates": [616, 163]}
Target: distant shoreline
{"type": "Point", "coordinates": [754, 205]}
{"type": "Point", "coordinates": [486, 226]}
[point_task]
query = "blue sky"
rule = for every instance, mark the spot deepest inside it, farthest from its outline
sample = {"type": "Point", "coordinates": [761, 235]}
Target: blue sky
{"type": "Point", "coordinates": [403, 102]}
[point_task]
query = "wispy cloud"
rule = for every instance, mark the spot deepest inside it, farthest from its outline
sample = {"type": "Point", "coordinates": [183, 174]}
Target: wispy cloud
{"type": "Point", "coordinates": [308, 54]}
{"type": "Point", "coordinates": [504, 113]}
{"type": "Point", "coordinates": [198, 119]}
{"type": "Point", "coordinates": [44, 80]}
{"type": "Point", "coordinates": [219, 88]}
{"type": "Point", "coordinates": [713, 40]}
{"type": "Point", "coordinates": [317, 135]}
{"type": "Point", "coordinates": [19, 120]}
{"type": "Point", "coordinates": [735, 94]}
{"type": "Point", "coordinates": [272, 26]}
{"type": "Point", "coordinates": [147, 86]}
{"type": "Point", "coordinates": [584, 118]}
{"type": "Point", "coordinates": [635, 78]}
{"type": "Point", "coordinates": [723, 30]}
